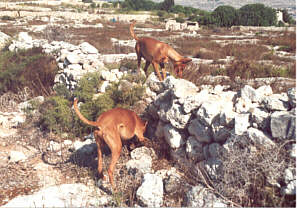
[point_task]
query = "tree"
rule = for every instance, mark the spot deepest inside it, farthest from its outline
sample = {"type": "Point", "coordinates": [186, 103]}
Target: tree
{"type": "Point", "coordinates": [287, 17]}
{"type": "Point", "coordinates": [226, 16]}
{"type": "Point", "coordinates": [167, 4]}
{"type": "Point", "coordinates": [257, 15]}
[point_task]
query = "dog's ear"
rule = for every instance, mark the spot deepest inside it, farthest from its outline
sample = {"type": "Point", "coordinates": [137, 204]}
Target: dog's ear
{"type": "Point", "coordinates": [186, 60]}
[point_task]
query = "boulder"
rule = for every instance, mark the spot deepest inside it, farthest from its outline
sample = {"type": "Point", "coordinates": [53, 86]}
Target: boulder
{"type": "Point", "coordinates": [108, 76]}
{"type": "Point", "coordinates": [212, 108]}
{"type": "Point", "coordinates": [290, 181]}
{"type": "Point", "coordinates": [249, 93]}
{"type": "Point", "coordinates": [65, 195]}
{"type": "Point", "coordinates": [180, 87]}
{"type": "Point", "coordinates": [292, 97]}
{"type": "Point", "coordinates": [16, 156]}
{"type": "Point", "coordinates": [201, 132]}
{"type": "Point", "coordinates": [73, 58]}
{"type": "Point", "coordinates": [174, 115]}
{"type": "Point", "coordinates": [241, 123]}
{"type": "Point", "coordinates": [154, 83]}
{"type": "Point", "coordinates": [194, 149]}
{"type": "Point", "coordinates": [172, 136]}
{"type": "Point", "coordinates": [199, 196]}
{"type": "Point", "coordinates": [260, 118]}
{"type": "Point", "coordinates": [283, 125]}
{"type": "Point", "coordinates": [24, 37]}
{"type": "Point", "coordinates": [141, 159]}
{"type": "Point", "coordinates": [150, 193]}
{"type": "Point", "coordinates": [276, 102]}
{"type": "Point", "coordinates": [88, 48]}
{"type": "Point", "coordinates": [191, 103]}
{"type": "Point", "coordinates": [259, 138]}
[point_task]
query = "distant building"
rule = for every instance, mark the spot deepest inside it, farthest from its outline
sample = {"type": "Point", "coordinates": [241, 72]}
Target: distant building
{"type": "Point", "coordinates": [279, 16]}
{"type": "Point", "coordinates": [172, 25]}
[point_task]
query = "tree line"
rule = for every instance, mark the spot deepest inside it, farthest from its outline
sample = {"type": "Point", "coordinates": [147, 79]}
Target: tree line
{"type": "Point", "coordinates": [223, 16]}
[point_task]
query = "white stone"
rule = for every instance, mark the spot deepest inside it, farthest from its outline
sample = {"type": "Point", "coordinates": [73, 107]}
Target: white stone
{"type": "Point", "coordinates": [279, 102]}
{"type": "Point", "coordinates": [199, 196]}
{"type": "Point", "coordinates": [241, 123]}
{"type": "Point", "coordinates": [259, 137]}
{"type": "Point", "coordinates": [172, 136]}
{"type": "Point", "coordinates": [150, 193]}
{"type": "Point", "coordinates": [24, 37]}
{"type": "Point", "coordinates": [283, 125]}
{"type": "Point", "coordinates": [108, 76]}
{"type": "Point", "coordinates": [16, 156]}
{"type": "Point", "coordinates": [104, 86]}
{"type": "Point", "coordinates": [65, 195]}
{"type": "Point", "coordinates": [75, 67]}
{"type": "Point", "coordinates": [73, 58]}
{"type": "Point", "coordinates": [88, 48]}
{"type": "Point", "coordinates": [175, 116]}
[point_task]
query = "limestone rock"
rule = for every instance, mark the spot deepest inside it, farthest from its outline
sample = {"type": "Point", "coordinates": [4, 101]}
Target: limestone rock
{"type": "Point", "coordinates": [150, 193]}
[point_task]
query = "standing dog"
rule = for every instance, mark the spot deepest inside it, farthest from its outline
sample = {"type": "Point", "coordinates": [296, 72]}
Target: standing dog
{"type": "Point", "coordinates": [157, 53]}
{"type": "Point", "coordinates": [112, 126]}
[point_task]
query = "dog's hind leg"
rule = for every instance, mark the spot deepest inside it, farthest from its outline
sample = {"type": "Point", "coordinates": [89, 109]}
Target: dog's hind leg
{"type": "Point", "coordinates": [147, 63]}
{"type": "Point", "coordinates": [99, 152]}
{"type": "Point", "coordinates": [115, 144]}
{"type": "Point", "coordinates": [138, 53]}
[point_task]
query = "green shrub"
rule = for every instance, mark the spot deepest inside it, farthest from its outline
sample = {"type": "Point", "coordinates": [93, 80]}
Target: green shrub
{"type": "Point", "coordinates": [87, 86]}
{"type": "Point", "coordinates": [9, 18]}
{"type": "Point", "coordinates": [62, 91]}
{"type": "Point", "coordinates": [127, 98]}
{"type": "Point", "coordinates": [27, 68]}
{"type": "Point", "coordinates": [56, 115]}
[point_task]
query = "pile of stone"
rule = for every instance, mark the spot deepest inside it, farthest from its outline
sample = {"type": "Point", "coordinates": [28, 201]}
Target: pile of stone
{"type": "Point", "coordinates": [74, 61]}
{"type": "Point", "coordinates": [199, 125]}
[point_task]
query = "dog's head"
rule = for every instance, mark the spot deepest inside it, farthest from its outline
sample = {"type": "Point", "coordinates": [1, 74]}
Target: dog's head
{"type": "Point", "coordinates": [180, 65]}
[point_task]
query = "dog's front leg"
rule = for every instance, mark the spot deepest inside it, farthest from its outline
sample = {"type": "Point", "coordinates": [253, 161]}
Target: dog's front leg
{"type": "Point", "coordinates": [156, 67]}
{"type": "Point", "coordinates": [162, 65]}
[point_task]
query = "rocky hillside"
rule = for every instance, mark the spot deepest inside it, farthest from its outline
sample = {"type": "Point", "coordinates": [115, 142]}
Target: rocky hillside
{"type": "Point", "coordinates": [210, 146]}
{"type": "Point", "coordinates": [223, 136]}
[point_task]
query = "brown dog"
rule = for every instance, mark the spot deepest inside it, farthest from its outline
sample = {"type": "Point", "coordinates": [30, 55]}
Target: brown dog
{"type": "Point", "coordinates": [157, 53]}
{"type": "Point", "coordinates": [112, 126]}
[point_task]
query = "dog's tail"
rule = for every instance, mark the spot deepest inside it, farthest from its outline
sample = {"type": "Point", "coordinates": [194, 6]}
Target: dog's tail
{"type": "Point", "coordinates": [132, 31]}
{"type": "Point", "coordinates": [92, 123]}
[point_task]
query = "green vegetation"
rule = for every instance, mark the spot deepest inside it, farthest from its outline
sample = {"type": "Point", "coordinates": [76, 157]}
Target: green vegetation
{"type": "Point", "coordinates": [223, 16]}
{"type": "Point", "coordinates": [56, 113]}
{"type": "Point", "coordinates": [27, 68]}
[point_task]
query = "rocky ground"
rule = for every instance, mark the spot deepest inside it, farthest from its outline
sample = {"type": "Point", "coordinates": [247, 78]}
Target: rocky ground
{"type": "Point", "coordinates": [202, 136]}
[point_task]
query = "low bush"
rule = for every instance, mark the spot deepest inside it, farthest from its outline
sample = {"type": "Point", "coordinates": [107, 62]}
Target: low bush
{"type": "Point", "coordinates": [8, 18]}
{"type": "Point", "coordinates": [56, 113]}
{"type": "Point", "coordinates": [27, 68]}
{"type": "Point", "coordinates": [250, 173]}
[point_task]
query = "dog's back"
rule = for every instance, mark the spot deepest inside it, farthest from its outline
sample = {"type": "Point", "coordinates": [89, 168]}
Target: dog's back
{"type": "Point", "coordinates": [125, 121]}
